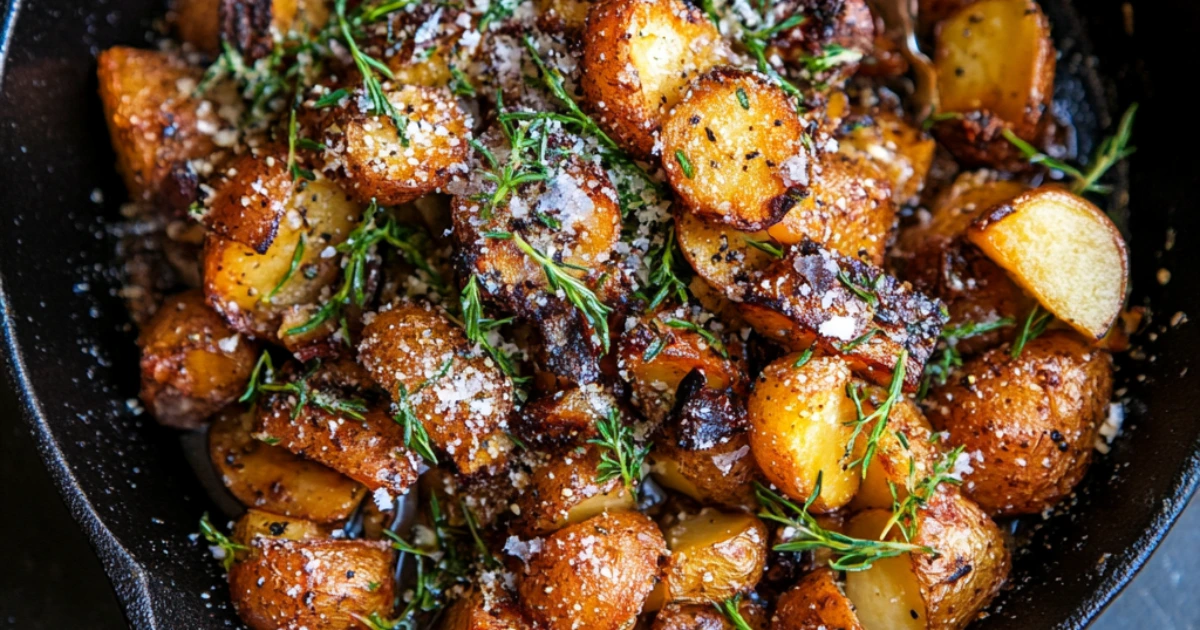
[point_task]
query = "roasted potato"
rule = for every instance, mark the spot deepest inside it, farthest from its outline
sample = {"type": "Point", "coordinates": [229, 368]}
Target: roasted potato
{"type": "Point", "coordinates": [478, 610]}
{"type": "Point", "coordinates": [816, 602]}
{"type": "Point", "coordinates": [372, 160]}
{"type": "Point", "coordinates": [317, 584]}
{"type": "Point", "coordinates": [723, 256]}
{"type": "Point", "coordinates": [800, 426]}
{"type": "Point", "coordinates": [197, 22]}
{"type": "Point", "coordinates": [254, 292]}
{"type": "Point", "coordinates": [714, 556]}
{"type": "Point", "coordinates": [461, 397]}
{"type": "Point", "coordinates": [255, 523]}
{"type": "Point", "coordinates": [995, 67]}
{"type": "Point", "coordinates": [846, 307]}
{"type": "Point", "coordinates": [422, 45]}
{"type": "Point", "coordinates": [902, 152]}
{"type": "Point", "coordinates": [192, 363]}
{"type": "Point", "coordinates": [250, 199]}
{"type": "Point", "coordinates": [1064, 251]}
{"type": "Point", "coordinates": [272, 479]}
{"type": "Point", "coordinates": [564, 491]}
{"type": "Point", "coordinates": [595, 574]}
{"type": "Point", "coordinates": [638, 58]}
{"type": "Point", "coordinates": [732, 150]}
{"type": "Point", "coordinates": [889, 594]}
{"type": "Point", "coordinates": [707, 617]}
{"type": "Point", "coordinates": [841, 32]}
{"type": "Point", "coordinates": [566, 417]}
{"type": "Point", "coordinates": [1028, 423]}
{"type": "Point", "coordinates": [563, 15]}
{"type": "Point", "coordinates": [252, 26]}
{"type": "Point", "coordinates": [157, 125]}
{"type": "Point", "coordinates": [906, 454]}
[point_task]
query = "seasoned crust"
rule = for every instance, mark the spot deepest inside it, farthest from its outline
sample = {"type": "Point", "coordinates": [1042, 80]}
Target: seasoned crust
{"type": "Point", "coordinates": [817, 601]}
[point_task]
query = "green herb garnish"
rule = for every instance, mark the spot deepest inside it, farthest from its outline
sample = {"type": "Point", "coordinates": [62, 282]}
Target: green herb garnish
{"type": "Point", "coordinates": [1035, 324]}
{"type": "Point", "coordinates": [620, 455]}
{"type": "Point", "coordinates": [879, 416]}
{"type": "Point", "coordinates": [1112, 150]}
{"type": "Point", "coordinates": [215, 538]}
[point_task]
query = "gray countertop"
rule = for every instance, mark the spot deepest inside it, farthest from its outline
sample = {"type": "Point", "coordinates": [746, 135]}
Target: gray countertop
{"type": "Point", "coordinates": [51, 580]}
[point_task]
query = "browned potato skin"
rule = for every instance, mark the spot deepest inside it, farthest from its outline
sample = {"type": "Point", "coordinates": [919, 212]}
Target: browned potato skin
{"type": "Point", "coordinates": [266, 586]}
{"type": "Point", "coordinates": [373, 164]}
{"type": "Point", "coordinates": [977, 137]}
{"type": "Point", "coordinates": [972, 564]}
{"type": "Point", "coordinates": [1049, 403]}
{"type": "Point", "coordinates": [155, 128]}
{"type": "Point", "coordinates": [707, 617]}
{"type": "Point", "coordinates": [197, 22]}
{"type": "Point", "coordinates": [250, 25]}
{"type": "Point", "coordinates": [406, 347]}
{"type": "Point", "coordinates": [613, 68]}
{"type": "Point", "coordinates": [479, 611]}
{"type": "Point", "coordinates": [251, 199]}
{"type": "Point", "coordinates": [568, 16]}
{"type": "Point", "coordinates": [903, 152]}
{"type": "Point", "coordinates": [697, 474]}
{"type": "Point", "coordinates": [714, 556]}
{"type": "Point", "coordinates": [816, 602]}
{"type": "Point", "coordinates": [186, 376]}
{"type": "Point", "coordinates": [754, 169]}
{"type": "Point", "coordinates": [606, 590]}
{"type": "Point", "coordinates": [565, 417]}
{"type": "Point", "coordinates": [846, 23]}
{"type": "Point", "coordinates": [564, 490]}
{"type": "Point", "coordinates": [255, 523]}
{"type": "Point", "coordinates": [272, 479]}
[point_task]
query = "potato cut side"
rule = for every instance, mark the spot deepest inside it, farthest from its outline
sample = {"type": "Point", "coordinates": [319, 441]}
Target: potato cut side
{"type": "Point", "coordinates": [1064, 251]}
{"type": "Point", "coordinates": [887, 596]}
{"type": "Point", "coordinates": [714, 556]}
{"type": "Point", "coordinates": [259, 523]}
{"type": "Point", "coordinates": [732, 150]}
{"type": "Point", "coordinates": [892, 461]}
{"type": "Point", "coordinates": [798, 420]}
{"type": "Point", "coordinates": [720, 254]}
{"type": "Point", "coordinates": [903, 152]}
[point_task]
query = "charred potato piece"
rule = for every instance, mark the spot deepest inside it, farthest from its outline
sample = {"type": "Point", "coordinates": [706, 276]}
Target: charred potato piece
{"type": "Point", "coordinates": [800, 428]}
{"type": "Point", "coordinates": [251, 199]}
{"type": "Point", "coordinates": [1029, 422]}
{"type": "Point", "coordinates": [846, 307]}
{"type": "Point", "coordinates": [463, 399]}
{"type": "Point", "coordinates": [1062, 249]}
{"type": "Point", "coordinates": [995, 66]}
{"type": "Point", "coordinates": [340, 580]}
{"type": "Point", "coordinates": [270, 478]}
{"type": "Point", "coordinates": [565, 417]}
{"type": "Point", "coordinates": [156, 124]}
{"type": "Point", "coordinates": [903, 152]}
{"type": "Point", "coordinates": [714, 556]}
{"type": "Point", "coordinates": [707, 617]}
{"type": "Point", "coordinates": [255, 291]}
{"type": "Point", "coordinates": [372, 160]}
{"type": "Point", "coordinates": [192, 363]}
{"type": "Point", "coordinates": [258, 523]}
{"type": "Point", "coordinates": [595, 574]}
{"type": "Point", "coordinates": [638, 57]}
{"type": "Point", "coordinates": [564, 491]}
{"type": "Point", "coordinates": [816, 602]}
{"type": "Point", "coordinates": [840, 32]}
{"type": "Point", "coordinates": [732, 150]}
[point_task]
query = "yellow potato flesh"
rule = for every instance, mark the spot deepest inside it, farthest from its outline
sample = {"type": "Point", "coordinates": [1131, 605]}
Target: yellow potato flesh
{"type": "Point", "coordinates": [886, 596]}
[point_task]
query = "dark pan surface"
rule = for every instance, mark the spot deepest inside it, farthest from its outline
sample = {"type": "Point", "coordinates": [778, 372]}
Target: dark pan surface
{"type": "Point", "coordinates": [125, 478]}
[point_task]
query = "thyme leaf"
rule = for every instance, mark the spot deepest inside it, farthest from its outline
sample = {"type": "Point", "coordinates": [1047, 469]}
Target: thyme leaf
{"type": "Point", "coordinates": [620, 454]}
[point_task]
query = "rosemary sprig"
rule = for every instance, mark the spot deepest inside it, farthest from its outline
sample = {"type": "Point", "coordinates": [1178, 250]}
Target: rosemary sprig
{"type": "Point", "coordinates": [415, 435]}
{"type": "Point", "coordinates": [904, 511]}
{"type": "Point", "coordinates": [497, 11]}
{"type": "Point", "coordinates": [620, 455]}
{"type": "Point", "coordinates": [1035, 324]}
{"type": "Point", "coordinates": [765, 246]}
{"type": "Point", "coordinates": [297, 256]}
{"type": "Point", "coordinates": [866, 292]}
{"type": "Point", "coordinates": [859, 340]}
{"type": "Point", "coordinates": [729, 608]}
{"type": "Point", "coordinates": [219, 540]}
{"type": "Point", "coordinates": [804, 358]}
{"type": "Point", "coordinates": [576, 292]}
{"type": "Point", "coordinates": [831, 56]}
{"type": "Point", "coordinates": [879, 416]}
{"type": "Point", "coordinates": [261, 380]}
{"type": "Point", "coordinates": [297, 171]}
{"type": "Point", "coordinates": [757, 41]}
{"type": "Point", "coordinates": [367, 66]}
{"type": "Point", "coordinates": [938, 369]}
{"type": "Point", "coordinates": [523, 136]}
{"type": "Point", "coordinates": [704, 333]}
{"type": "Point", "coordinates": [1112, 150]}
{"type": "Point", "coordinates": [665, 267]}
{"type": "Point", "coordinates": [850, 554]}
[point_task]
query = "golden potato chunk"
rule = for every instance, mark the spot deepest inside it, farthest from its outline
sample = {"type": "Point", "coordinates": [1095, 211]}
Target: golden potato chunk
{"type": "Point", "coordinates": [817, 601]}
{"type": "Point", "coordinates": [732, 150]}
{"type": "Point", "coordinates": [251, 199]}
{"type": "Point", "coordinates": [478, 610]}
{"type": "Point", "coordinates": [565, 490]}
{"type": "Point", "coordinates": [255, 523]}
{"type": "Point", "coordinates": [563, 15]}
{"type": "Point", "coordinates": [1028, 423]}
{"type": "Point", "coordinates": [372, 160]}
{"type": "Point", "coordinates": [272, 479]}
{"type": "Point", "coordinates": [714, 556]}
{"type": "Point", "coordinates": [902, 151]}
{"type": "Point", "coordinates": [197, 22]}
{"type": "Point", "coordinates": [192, 363]}
{"type": "Point", "coordinates": [461, 397]}
{"type": "Point", "coordinates": [567, 416]}
{"type": "Point", "coordinates": [995, 67]}
{"type": "Point", "coordinates": [318, 584]}
{"type": "Point", "coordinates": [595, 574]}
{"type": "Point", "coordinates": [638, 57]}
{"type": "Point", "coordinates": [723, 256]}
{"type": "Point", "coordinates": [888, 595]}
{"type": "Point", "coordinates": [1064, 251]}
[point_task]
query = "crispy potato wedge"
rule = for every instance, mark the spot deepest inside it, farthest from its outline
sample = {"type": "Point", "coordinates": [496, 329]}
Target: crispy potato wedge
{"type": "Point", "coordinates": [595, 574]}
{"type": "Point", "coordinates": [846, 307]}
{"type": "Point", "coordinates": [274, 480]}
{"type": "Point", "coordinates": [371, 160]}
{"type": "Point", "coordinates": [462, 398]}
{"type": "Point", "coordinates": [259, 523]}
{"type": "Point", "coordinates": [817, 601]}
{"type": "Point", "coordinates": [732, 150]}
{"type": "Point", "coordinates": [156, 124]}
{"type": "Point", "coordinates": [564, 491]}
{"type": "Point", "coordinates": [799, 429]}
{"type": "Point", "coordinates": [250, 199]}
{"type": "Point", "coordinates": [903, 152]}
{"type": "Point", "coordinates": [714, 556]}
{"type": "Point", "coordinates": [1064, 251]}
{"type": "Point", "coordinates": [254, 292]}
{"type": "Point", "coordinates": [707, 617]}
{"type": "Point", "coordinates": [192, 363]}
{"type": "Point", "coordinates": [1029, 423]}
{"type": "Point", "coordinates": [638, 58]}
{"type": "Point", "coordinates": [335, 578]}
{"type": "Point", "coordinates": [995, 66]}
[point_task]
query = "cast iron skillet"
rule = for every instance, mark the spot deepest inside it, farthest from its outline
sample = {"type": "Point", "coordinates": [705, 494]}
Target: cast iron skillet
{"type": "Point", "coordinates": [126, 481]}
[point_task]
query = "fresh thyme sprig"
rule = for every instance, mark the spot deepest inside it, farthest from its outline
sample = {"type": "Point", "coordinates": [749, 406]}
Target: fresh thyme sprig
{"type": "Point", "coordinates": [415, 435]}
{"type": "Point", "coordinates": [866, 291]}
{"type": "Point", "coordinates": [522, 136]}
{"type": "Point", "coordinates": [1035, 324]}
{"type": "Point", "coordinates": [665, 268]}
{"type": "Point", "coordinates": [1112, 150]}
{"type": "Point", "coordinates": [220, 541]}
{"type": "Point", "coordinates": [757, 41]}
{"type": "Point", "coordinates": [477, 327]}
{"type": "Point", "coordinates": [704, 333]}
{"type": "Point", "coordinates": [879, 416]}
{"type": "Point", "coordinates": [832, 56]}
{"type": "Point", "coordinates": [806, 534]}
{"type": "Point", "coordinates": [262, 380]}
{"type": "Point", "coordinates": [729, 608]}
{"type": "Point", "coordinates": [297, 256]}
{"type": "Point", "coordinates": [367, 66]}
{"type": "Point", "coordinates": [904, 511]}
{"type": "Point", "coordinates": [938, 369]}
{"type": "Point", "coordinates": [297, 171]}
{"type": "Point", "coordinates": [620, 455]}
